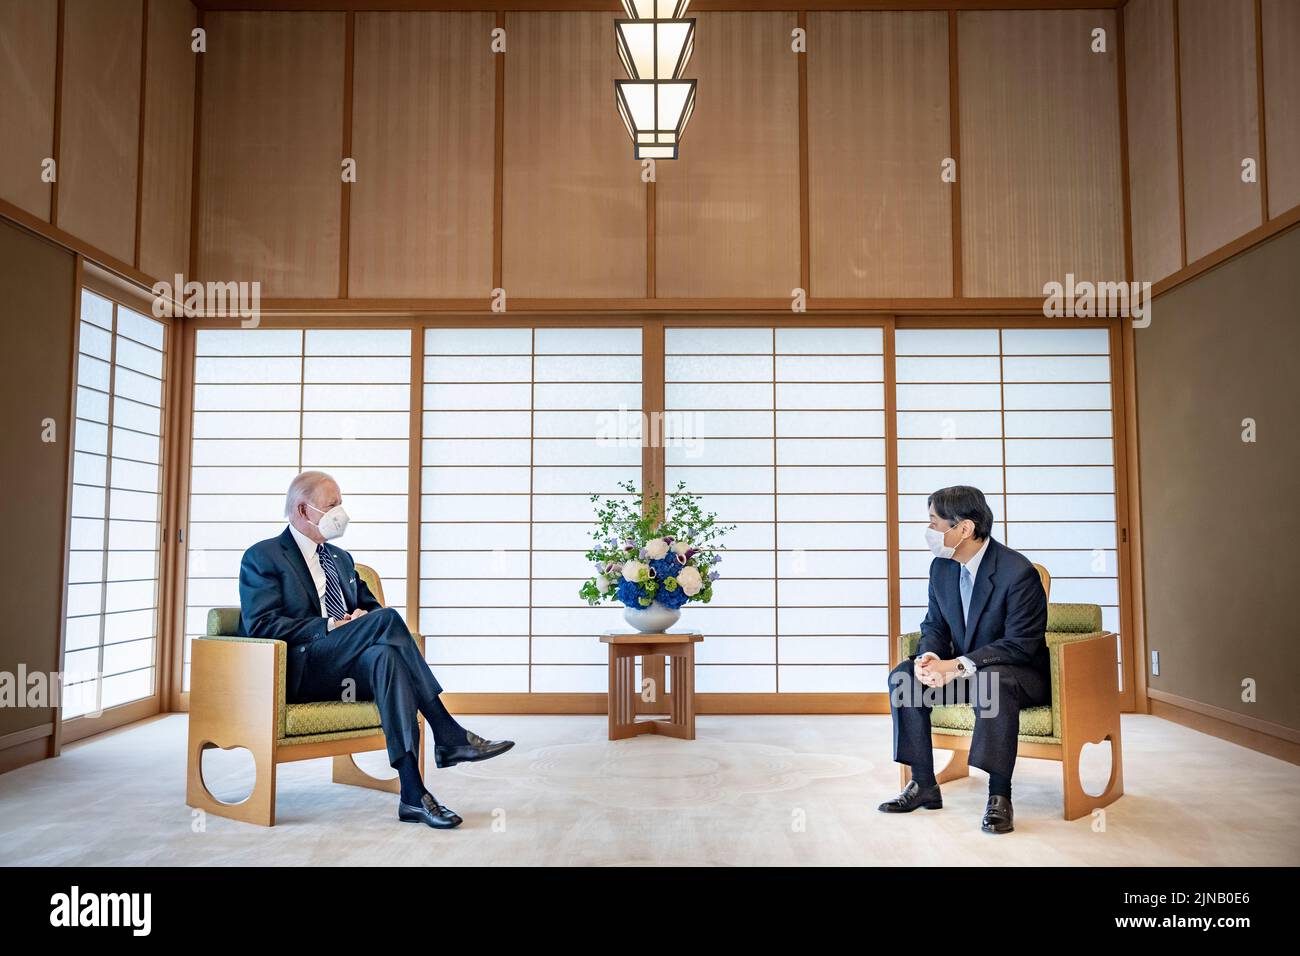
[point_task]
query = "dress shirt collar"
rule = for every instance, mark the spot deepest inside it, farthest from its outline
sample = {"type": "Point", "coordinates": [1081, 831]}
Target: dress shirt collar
{"type": "Point", "coordinates": [305, 544]}
{"type": "Point", "coordinates": [973, 565]}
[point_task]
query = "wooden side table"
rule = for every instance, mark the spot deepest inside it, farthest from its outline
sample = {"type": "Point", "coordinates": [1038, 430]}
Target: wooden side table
{"type": "Point", "coordinates": [623, 696]}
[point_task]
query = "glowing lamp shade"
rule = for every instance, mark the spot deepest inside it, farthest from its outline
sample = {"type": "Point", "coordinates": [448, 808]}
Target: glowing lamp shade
{"type": "Point", "coordinates": [656, 9]}
{"type": "Point", "coordinates": [655, 114]}
{"type": "Point", "coordinates": [655, 49]}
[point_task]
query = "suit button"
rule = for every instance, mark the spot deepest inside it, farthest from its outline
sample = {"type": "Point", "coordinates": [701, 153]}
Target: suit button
{"type": "Point", "coordinates": [302, 647]}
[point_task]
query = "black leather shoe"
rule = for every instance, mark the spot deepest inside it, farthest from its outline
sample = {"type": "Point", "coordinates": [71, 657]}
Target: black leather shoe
{"type": "Point", "coordinates": [476, 749]}
{"type": "Point", "coordinates": [430, 812]}
{"type": "Point", "coordinates": [914, 797]}
{"type": "Point", "coordinates": [998, 815]}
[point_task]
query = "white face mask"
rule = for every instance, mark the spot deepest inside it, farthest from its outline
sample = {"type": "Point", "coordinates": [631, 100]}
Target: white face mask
{"type": "Point", "coordinates": [935, 541]}
{"type": "Point", "coordinates": [332, 523]}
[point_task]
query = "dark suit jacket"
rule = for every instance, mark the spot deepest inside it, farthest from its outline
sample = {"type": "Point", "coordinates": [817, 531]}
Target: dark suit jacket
{"type": "Point", "coordinates": [1008, 612]}
{"type": "Point", "coordinates": [277, 597]}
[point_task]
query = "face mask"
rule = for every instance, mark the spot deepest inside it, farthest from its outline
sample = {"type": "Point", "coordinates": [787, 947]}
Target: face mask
{"type": "Point", "coordinates": [934, 540]}
{"type": "Point", "coordinates": [332, 523]}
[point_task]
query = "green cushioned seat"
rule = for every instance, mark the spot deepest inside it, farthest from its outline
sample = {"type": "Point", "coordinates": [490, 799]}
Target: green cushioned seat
{"type": "Point", "coordinates": [330, 716]}
{"type": "Point", "coordinates": [1035, 722]}
{"type": "Point", "coordinates": [1042, 724]}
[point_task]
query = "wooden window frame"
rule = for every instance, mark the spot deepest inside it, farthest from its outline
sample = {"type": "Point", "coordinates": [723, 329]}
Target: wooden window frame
{"type": "Point", "coordinates": [652, 328]}
{"type": "Point", "coordinates": [126, 294]}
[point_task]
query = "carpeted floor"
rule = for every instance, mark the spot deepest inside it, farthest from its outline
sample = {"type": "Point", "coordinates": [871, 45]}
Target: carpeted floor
{"type": "Point", "coordinates": [776, 790]}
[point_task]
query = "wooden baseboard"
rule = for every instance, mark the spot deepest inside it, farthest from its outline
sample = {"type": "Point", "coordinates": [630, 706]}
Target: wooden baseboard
{"type": "Point", "coordinates": [1263, 736]}
{"type": "Point", "coordinates": [79, 728]}
{"type": "Point", "coordinates": [594, 704]}
{"type": "Point", "coordinates": [16, 752]}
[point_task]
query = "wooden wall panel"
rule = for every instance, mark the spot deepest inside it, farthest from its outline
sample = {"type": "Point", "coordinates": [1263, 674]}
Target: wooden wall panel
{"type": "Point", "coordinates": [168, 139]}
{"type": "Point", "coordinates": [1220, 99]}
{"type": "Point", "coordinates": [1282, 102]}
{"type": "Point", "coordinates": [879, 214]}
{"type": "Point", "coordinates": [1152, 138]}
{"type": "Point", "coordinates": [28, 48]}
{"type": "Point", "coordinates": [423, 138]}
{"type": "Point", "coordinates": [100, 123]}
{"type": "Point", "coordinates": [1040, 156]}
{"type": "Point", "coordinates": [574, 216]}
{"type": "Point", "coordinates": [271, 148]}
{"type": "Point", "coordinates": [727, 216]}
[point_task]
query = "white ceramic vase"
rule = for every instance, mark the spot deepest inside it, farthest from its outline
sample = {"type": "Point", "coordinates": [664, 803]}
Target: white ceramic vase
{"type": "Point", "coordinates": [654, 619]}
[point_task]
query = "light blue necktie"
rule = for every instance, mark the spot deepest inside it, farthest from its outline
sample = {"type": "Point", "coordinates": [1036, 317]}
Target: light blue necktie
{"type": "Point", "coordinates": [967, 585]}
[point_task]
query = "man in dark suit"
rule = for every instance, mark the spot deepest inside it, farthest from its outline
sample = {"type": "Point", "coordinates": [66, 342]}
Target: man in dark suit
{"type": "Point", "coordinates": [300, 590]}
{"type": "Point", "coordinates": [986, 627]}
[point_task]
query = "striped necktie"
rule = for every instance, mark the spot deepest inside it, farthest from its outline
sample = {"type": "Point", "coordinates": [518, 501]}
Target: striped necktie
{"type": "Point", "coordinates": [334, 603]}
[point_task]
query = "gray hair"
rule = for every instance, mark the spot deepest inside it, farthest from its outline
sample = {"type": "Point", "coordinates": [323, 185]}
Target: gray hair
{"type": "Point", "coordinates": [302, 488]}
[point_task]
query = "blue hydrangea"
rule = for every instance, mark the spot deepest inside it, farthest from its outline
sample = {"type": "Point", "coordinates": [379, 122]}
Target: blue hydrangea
{"type": "Point", "coordinates": [674, 598]}
{"type": "Point", "coordinates": [630, 593]}
{"type": "Point", "coordinates": [666, 567]}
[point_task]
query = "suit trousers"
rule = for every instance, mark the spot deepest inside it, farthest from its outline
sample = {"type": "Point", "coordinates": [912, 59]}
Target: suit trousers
{"type": "Point", "coordinates": [1003, 690]}
{"type": "Point", "coordinates": [377, 653]}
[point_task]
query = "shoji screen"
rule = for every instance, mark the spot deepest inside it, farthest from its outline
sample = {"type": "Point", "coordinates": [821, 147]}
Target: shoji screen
{"type": "Point", "coordinates": [269, 403]}
{"type": "Point", "coordinates": [782, 432]}
{"type": "Point", "coordinates": [521, 426]}
{"type": "Point", "coordinates": [111, 647]}
{"type": "Point", "coordinates": [1024, 415]}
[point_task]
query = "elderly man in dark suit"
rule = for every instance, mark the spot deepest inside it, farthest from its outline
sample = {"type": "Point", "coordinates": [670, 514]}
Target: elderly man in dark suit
{"type": "Point", "coordinates": [986, 625]}
{"type": "Point", "coordinates": [305, 592]}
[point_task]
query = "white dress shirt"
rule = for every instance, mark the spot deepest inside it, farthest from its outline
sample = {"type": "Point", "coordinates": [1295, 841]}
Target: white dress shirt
{"type": "Point", "coordinates": [308, 548]}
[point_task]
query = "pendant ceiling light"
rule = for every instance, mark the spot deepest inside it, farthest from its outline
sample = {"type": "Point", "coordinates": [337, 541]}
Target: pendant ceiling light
{"type": "Point", "coordinates": [655, 42]}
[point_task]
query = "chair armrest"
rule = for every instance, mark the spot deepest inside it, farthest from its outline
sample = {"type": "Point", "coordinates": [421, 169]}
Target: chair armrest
{"type": "Point", "coordinates": [1084, 674]}
{"type": "Point", "coordinates": [1057, 639]}
{"type": "Point", "coordinates": [908, 644]}
{"type": "Point", "coordinates": [237, 686]}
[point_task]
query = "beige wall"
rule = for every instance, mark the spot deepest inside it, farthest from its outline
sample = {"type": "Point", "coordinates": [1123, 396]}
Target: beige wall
{"type": "Point", "coordinates": [1219, 525]}
{"type": "Point", "coordinates": [1195, 70]}
{"type": "Point", "coordinates": [124, 84]}
{"type": "Point", "coordinates": [28, 49]}
{"type": "Point", "coordinates": [1040, 185]}
{"type": "Point", "coordinates": [36, 322]}
{"type": "Point", "coordinates": [1036, 110]}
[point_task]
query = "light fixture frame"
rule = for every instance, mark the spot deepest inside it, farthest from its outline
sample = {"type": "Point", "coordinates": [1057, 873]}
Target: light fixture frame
{"type": "Point", "coordinates": [679, 10]}
{"type": "Point", "coordinates": [625, 54]}
{"type": "Point", "coordinates": [673, 134]}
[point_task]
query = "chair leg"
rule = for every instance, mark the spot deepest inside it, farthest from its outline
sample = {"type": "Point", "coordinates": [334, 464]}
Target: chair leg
{"type": "Point", "coordinates": [956, 768]}
{"type": "Point", "coordinates": [1078, 802]}
{"type": "Point", "coordinates": [347, 771]}
{"type": "Point", "coordinates": [258, 807]}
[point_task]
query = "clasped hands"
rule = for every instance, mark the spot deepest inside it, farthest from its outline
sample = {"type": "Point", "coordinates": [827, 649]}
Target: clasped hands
{"type": "Point", "coordinates": [933, 672]}
{"type": "Point", "coordinates": [351, 616]}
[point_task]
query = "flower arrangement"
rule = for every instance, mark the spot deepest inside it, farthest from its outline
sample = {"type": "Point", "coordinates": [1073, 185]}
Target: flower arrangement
{"type": "Point", "coordinates": [646, 554]}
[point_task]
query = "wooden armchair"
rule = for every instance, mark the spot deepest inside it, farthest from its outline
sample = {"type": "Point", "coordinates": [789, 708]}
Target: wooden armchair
{"type": "Point", "coordinates": [237, 699]}
{"type": "Point", "coordinates": [1084, 707]}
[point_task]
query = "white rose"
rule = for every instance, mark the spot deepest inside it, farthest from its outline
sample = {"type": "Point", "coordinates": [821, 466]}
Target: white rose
{"type": "Point", "coordinates": [632, 571]}
{"type": "Point", "coordinates": [602, 584]}
{"type": "Point", "coordinates": [656, 548]}
{"type": "Point", "coordinates": [690, 581]}
{"type": "Point", "coordinates": [681, 547]}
